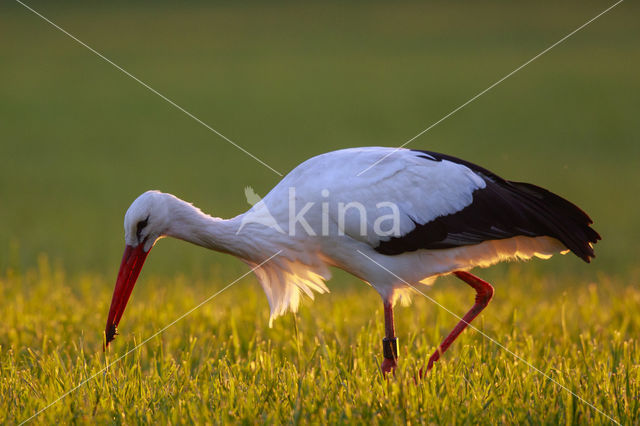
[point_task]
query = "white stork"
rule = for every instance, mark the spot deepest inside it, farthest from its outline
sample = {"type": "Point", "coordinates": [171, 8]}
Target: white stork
{"type": "Point", "coordinates": [413, 217]}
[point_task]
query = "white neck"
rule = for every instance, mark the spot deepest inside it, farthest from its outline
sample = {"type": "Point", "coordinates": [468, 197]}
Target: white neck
{"type": "Point", "coordinates": [189, 223]}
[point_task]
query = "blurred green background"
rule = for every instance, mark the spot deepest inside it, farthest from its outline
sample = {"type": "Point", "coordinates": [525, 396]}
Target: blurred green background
{"type": "Point", "coordinates": [79, 140]}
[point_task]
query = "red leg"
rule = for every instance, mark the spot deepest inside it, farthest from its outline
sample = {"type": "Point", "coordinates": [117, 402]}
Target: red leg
{"type": "Point", "coordinates": [389, 343]}
{"type": "Point", "coordinates": [484, 293]}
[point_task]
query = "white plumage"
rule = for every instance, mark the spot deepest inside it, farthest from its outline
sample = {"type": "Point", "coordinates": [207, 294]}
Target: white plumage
{"type": "Point", "coordinates": [412, 217]}
{"type": "Point", "coordinates": [422, 190]}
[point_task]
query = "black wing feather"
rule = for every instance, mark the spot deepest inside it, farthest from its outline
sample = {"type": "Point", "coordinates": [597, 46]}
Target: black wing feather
{"type": "Point", "coordinates": [503, 209]}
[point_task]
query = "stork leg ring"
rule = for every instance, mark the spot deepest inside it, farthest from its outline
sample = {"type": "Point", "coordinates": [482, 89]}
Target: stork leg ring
{"type": "Point", "coordinates": [484, 293]}
{"type": "Point", "coordinates": [389, 343]}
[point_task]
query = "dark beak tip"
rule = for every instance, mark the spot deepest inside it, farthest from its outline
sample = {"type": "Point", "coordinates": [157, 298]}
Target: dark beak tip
{"type": "Point", "coordinates": [111, 333]}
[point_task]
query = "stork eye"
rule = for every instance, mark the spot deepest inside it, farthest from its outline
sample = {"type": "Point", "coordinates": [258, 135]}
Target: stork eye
{"type": "Point", "coordinates": [140, 226]}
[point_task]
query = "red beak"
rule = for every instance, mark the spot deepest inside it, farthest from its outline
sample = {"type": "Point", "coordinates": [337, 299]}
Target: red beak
{"type": "Point", "coordinates": [132, 262]}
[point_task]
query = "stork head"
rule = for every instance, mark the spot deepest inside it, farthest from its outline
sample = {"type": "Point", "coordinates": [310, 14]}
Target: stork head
{"type": "Point", "coordinates": [144, 223]}
{"type": "Point", "coordinates": [146, 220]}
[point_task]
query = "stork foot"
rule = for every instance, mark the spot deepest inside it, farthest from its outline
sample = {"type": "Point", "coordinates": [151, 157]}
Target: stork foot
{"type": "Point", "coordinates": [388, 366]}
{"type": "Point", "coordinates": [423, 371]}
{"type": "Point", "coordinates": [390, 353]}
{"type": "Point", "coordinates": [484, 293]}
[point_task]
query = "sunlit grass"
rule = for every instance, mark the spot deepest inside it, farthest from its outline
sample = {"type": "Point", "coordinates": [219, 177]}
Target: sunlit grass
{"type": "Point", "coordinates": [223, 363]}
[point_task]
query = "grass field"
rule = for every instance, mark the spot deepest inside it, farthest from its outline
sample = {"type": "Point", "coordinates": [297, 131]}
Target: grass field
{"type": "Point", "coordinates": [223, 364]}
{"type": "Point", "coordinates": [79, 141]}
